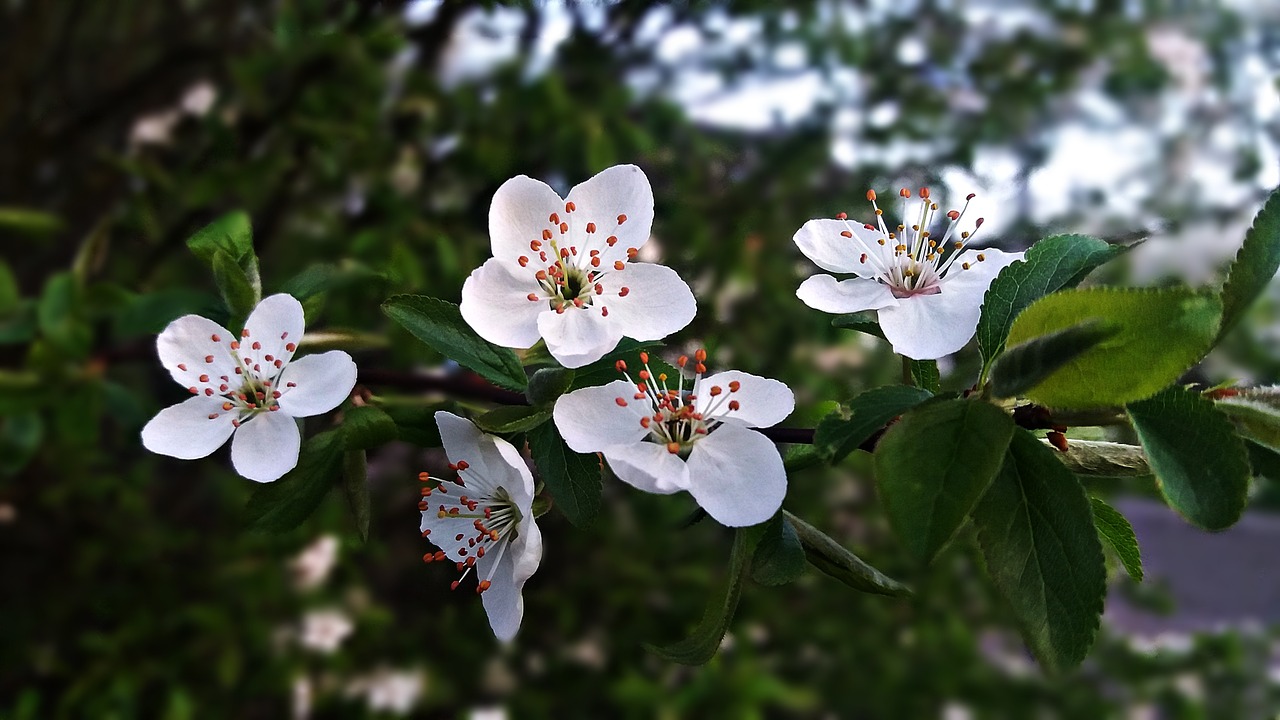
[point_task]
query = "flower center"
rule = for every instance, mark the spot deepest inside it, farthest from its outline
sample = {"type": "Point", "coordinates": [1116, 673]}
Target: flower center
{"type": "Point", "coordinates": [255, 392]}
{"type": "Point", "coordinates": [675, 422]}
{"type": "Point", "coordinates": [569, 279]}
{"type": "Point", "coordinates": [495, 521]}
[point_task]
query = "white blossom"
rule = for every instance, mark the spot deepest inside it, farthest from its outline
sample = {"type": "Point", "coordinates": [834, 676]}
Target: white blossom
{"type": "Point", "coordinates": [565, 270]}
{"type": "Point", "coordinates": [249, 386]}
{"type": "Point", "coordinates": [312, 566]}
{"type": "Point", "coordinates": [324, 630]}
{"type": "Point", "coordinates": [391, 691]}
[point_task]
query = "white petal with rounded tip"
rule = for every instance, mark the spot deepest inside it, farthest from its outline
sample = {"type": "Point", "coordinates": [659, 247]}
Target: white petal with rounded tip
{"type": "Point", "coordinates": [518, 481]}
{"type": "Point", "coordinates": [591, 420]}
{"type": "Point", "coordinates": [189, 342]}
{"type": "Point", "coordinates": [185, 431]}
{"type": "Point", "coordinates": [737, 476]}
{"type": "Point", "coordinates": [578, 336]}
{"type": "Point", "coordinates": [490, 466]}
{"type": "Point", "coordinates": [762, 401]}
{"type": "Point", "coordinates": [980, 274]}
{"type": "Point", "coordinates": [820, 241]}
{"type": "Point", "coordinates": [649, 467]}
{"type": "Point", "coordinates": [825, 293]}
{"type": "Point", "coordinates": [496, 305]}
{"type": "Point", "coordinates": [520, 211]}
{"type": "Point", "coordinates": [265, 446]}
{"type": "Point", "coordinates": [622, 190]}
{"type": "Point", "coordinates": [316, 384]}
{"type": "Point", "coordinates": [657, 302]}
{"type": "Point", "coordinates": [503, 601]}
{"type": "Point", "coordinates": [274, 326]}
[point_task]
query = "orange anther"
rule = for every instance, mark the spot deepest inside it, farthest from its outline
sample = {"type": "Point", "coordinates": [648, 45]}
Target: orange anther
{"type": "Point", "coordinates": [673, 448]}
{"type": "Point", "coordinates": [871, 195]}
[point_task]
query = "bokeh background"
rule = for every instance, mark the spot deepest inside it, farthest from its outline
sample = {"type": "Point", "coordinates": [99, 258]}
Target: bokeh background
{"type": "Point", "coordinates": [365, 140]}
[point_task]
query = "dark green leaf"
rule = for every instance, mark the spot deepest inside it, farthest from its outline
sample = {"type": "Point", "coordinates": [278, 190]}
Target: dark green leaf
{"type": "Point", "coordinates": [1023, 366]}
{"type": "Point", "coordinates": [924, 373]}
{"type": "Point", "coordinates": [1052, 264]}
{"type": "Point", "coordinates": [439, 324]}
{"type": "Point", "coordinates": [415, 423]}
{"type": "Point", "coordinates": [236, 288]}
{"type": "Point", "coordinates": [355, 485]}
{"type": "Point", "coordinates": [572, 478]}
{"type": "Point", "coordinates": [799, 457]}
{"type": "Point", "coordinates": [934, 464]}
{"type": "Point", "coordinates": [20, 437]}
{"type": "Point", "coordinates": [860, 322]}
{"type": "Point", "coordinates": [604, 370]}
{"type": "Point", "coordinates": [1256, 420]}
{"type": "Point", "coordinates": [837, 562]}
{"type": "Point", "coordinates": [1035, 527]}
{"type": "Point", "coordinates": [1264, 461]}
{"type": "Point", "coordinates": [513, 419]}
{"type": "Point", "coordinates": [836, 435]}
{"type": "Point", "coordinates": [1116, 531]}
{"type": "Point", "coordinates": [323, 277]}
{"type": "Point", "coordinates": [283, 505]}
{"type": "Point", "coordinates": [231, 234]}
{"type": "Point", "coordinates": [1255, 264]}
{"type": "Point", "coordinates": [9, 294]}
{"type": "Point", "coordinates": [547, 384]}
{"type": "Point", "coordinates": [1199, 461]}
{"type": "Point", "coordinates": [60, 316]}
{"type": "Point", "coordinates": [779, 558]}
{"type": "Point", "coordinates": [701, 644]}
{"type": "Point", "coordinates": [1161, 333]}
{"type": "Point", "coordinates": [367, 427]}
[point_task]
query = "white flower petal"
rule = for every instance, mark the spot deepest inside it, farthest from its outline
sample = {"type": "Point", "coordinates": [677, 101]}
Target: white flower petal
{"type": "Point", "coordinates": [980, 274]}
{"type": "Point", "coordinates": [503, 601]}
{"type": "Point", "coordinates": [656, 302]}
{"type": "Point", "coordinates": [493, 461]}
{"type": "Point", "coordinates": [825, 293]}
{"type": "Point", "coordinates": [197, 353]}
{"type": "Point", "coordinates": [316, 384]}
{"type": "Point", "coordinates": [736, 475]}
{"type": "Point", "coordinates": [820, 240]}
{"type": "Point", "coordinates": [648, 467]}
{"type": "Point", "coordinates": [591, 420]}
{"type": "Point", "coordinates": [520, 211]}
{"type": "Point", "coordinates": [266, 446]}
{"type": "Point", "coordinates": [271, 334]}
{"type": "Point", "coordinates": [620, 193]}
{"type": "Point", "coordinates": [185, 431]}
{"type": "Point", "coordinates": [762, 402]}
{"type": "Point", "coordinates": [578, 336]}
{"type": "Point", "coordinates": [496, 305]}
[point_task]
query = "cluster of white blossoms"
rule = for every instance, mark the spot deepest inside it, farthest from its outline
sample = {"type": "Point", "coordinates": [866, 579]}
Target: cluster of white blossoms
{"type": "Point", "coordinates": [564, 271]}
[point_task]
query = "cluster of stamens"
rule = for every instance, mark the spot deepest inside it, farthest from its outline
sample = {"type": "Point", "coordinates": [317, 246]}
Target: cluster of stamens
{"type": "Point", "coordinates": [674, 421]}
{"type": "Point", "coordinates": [255, 390]}
{"type": "Point", "coordinates": [565, 278]}
{"type": "Point", "coordinates": [494, 520]}
{"type": "Point", "coordinates": [911, 261]}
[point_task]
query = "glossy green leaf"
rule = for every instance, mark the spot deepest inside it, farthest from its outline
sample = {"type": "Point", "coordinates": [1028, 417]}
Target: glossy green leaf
{"type": "Point", "coordinates": [572, 478]}
{"type": "Point", "coordinates": [285, 504]}
{"type": "Point", "coordinates": [547, 384]}
{"type": "Point", "coordinates": [1054, 263]}
{"type": "Point", "coordinates": [800, 457]}
{"type": "Point", "coordinates": [439, 324]}
{"type": "Point", "coordinates": [1255, 264]}
{"type": "Point", "coordinates": [236, 289]}
{"type": "Point", "coordinates": [1255, 419]}
{"type": "Point", "coordinates": [513, 419]}
{"type": "Point", "coordinates": [924, 374]}
{"type": "Point", "coordinates": [367, 427]}
{"type": "Point", "coordinates": [355, 485]}
{"type": "Point", "coordinates": [835, 561]}
{"type": "Point", "coordinates": [1161, 333]}
{"type": "Point", "coordinates": [231, 234]}
{"type": "Point", "coordinates": [1035, 527]}
{"type": "Point", "coordinates": [1022, 367]}
{"type": "Point", "coordinates": [1199, 461]}
{"type": "Point", "coordinates": [701, 644]}
{"type": "Point", "coordinates": [779, 558]}
{"type": "Point", "coordinates": [934, 464]}
{"type": "Point", "coordinates": [1115, 530]}
{"type": "Point", "coordinates": [837, 435]}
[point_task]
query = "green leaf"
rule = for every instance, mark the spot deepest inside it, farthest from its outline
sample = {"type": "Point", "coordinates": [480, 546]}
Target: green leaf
{"type": "Point", "coordinates": [1255, 264]}
{"type": "Point", "coordinates": [415, 423]}
{"type": "Point", "coordinates": [701, 644]}
{"type": "Point", "coordinates": [510, 419]}
{"type": "Point", "coordinates": [860, 322]}
{"type": "Point", "coordinates": [834, 560]}
{"type": "Point", "coordinates": [572, 478]}
{"type": "Point", "coordinates": [439, 324]}
{"type": "Point", "coordinates": [231, 234]}
{"type": "Point", "coordinates": [20, 437]}
{"type": "Point", "coordinates": [924, 373]}
{"type": "Point", "coordinates": [605, 371]}
{"type": "Point", "coordinates": [1035, 528]}
{"type": "Point", "coordinates": [9, 293]}
{"type": "Point", "coordinates": [779, 558]}
{"type": "Point", "coordinates": [60, 315]}
{"type": "Point", "coordinates": [934, 464]}
{"type": "Point", "coordinates": [1259, 421]}
{"type": "Point", "coordinates": [1054, 263]}
{"type": "Point", "coordinates": [236, 288]}
{"type": "Point", "coordinates": [367, 427]}
{"type": "Point", "coordinates": [283, 505]}
{"type": "Point", "coordinates": [547, 384]}
{"type": "Point", "coordinates": [1023, 366]}
{"type": "Point", "coordinates": [1116, 531]}
{"type": "Point", "coordinates": [323, 277]}
{"type": "Point", "coordinates": [1264, 461]}
{"type": "Point", "coordinates": [837, 435]}
{"type": "Point", "coordinates": [1199, 461]}
{"type": "Point", "coordinates": [800, 457]}
{"type": "Point", "coordinates": [1161, 333]}
{"type": "Point", "coordinates": [355, 485]}
{"type": "Point", "coordinates": [30, 222]}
